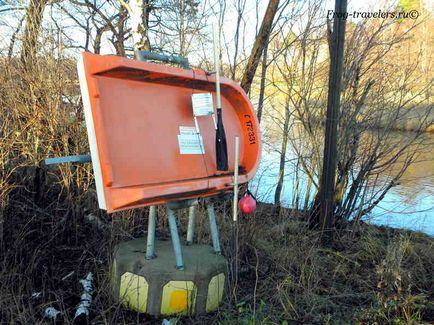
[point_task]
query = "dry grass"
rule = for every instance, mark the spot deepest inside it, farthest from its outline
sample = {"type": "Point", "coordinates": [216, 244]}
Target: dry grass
{"type": "Point", "coordinates": [284, 274]}
{"type": "Point", "coordinates": [371, 274]}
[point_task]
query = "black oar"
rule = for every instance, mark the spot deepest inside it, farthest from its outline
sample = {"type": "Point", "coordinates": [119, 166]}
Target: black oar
{"type": "Point", "coordinates": [220, 139]}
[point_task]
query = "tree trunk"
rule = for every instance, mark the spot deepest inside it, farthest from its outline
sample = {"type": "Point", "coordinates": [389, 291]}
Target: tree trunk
{"type": "Point", "coordinates": [284, 145]}
{"type": "Point", "coordinates": [258, 46]}
{"type": "Point", "coordinates": [240, 11]}
{"type": "Point", "coordinates": [34, 15]}
{"type": "Point", "coordinates": [139, 14]}
{"type": "Point", "coordinates": [262, 86]}
{"type": "Point", "coordinates": [120, 47]}
{"type": "Point", "coordinates": [14, 38]}
{"type": "Point", "coordinates": [182, 9]}
{"type": "Point", "coordinates": [97, 42]}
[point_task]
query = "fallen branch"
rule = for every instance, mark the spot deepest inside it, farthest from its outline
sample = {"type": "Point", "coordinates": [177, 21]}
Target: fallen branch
{"type": "Point", "coordinates": [86, 297]}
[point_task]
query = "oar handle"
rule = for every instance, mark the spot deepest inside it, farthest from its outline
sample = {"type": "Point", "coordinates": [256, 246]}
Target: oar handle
{"type": "Point", "coordinates": [216, 40]}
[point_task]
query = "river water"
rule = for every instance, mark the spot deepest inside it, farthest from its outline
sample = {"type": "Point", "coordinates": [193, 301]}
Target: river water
{"type": "Point", "coordinates": [409, 205]}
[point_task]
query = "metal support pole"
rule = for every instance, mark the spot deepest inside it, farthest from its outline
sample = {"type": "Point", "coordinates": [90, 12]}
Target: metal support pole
{"type": "Point", "coordinates": [213, 227]}
{"type": "Point", "coordinates": [327, 180]}
{"type": "Point", "coordinates": [191, 223]}
{"type": "Point", "coordinates": [150, 245]}
{"type": "Point", "coordinates": [66, 159]}
{"type": "Point", "coordinates": [175, 238]}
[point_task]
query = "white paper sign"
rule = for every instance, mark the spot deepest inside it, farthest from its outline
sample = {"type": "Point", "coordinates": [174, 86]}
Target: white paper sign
{"type": "Point", "coordinates": [187, 130]}
{"type": "Point", "coordinates": [202, 104]}
{"type": "Point", "coordinates": [190, 144]}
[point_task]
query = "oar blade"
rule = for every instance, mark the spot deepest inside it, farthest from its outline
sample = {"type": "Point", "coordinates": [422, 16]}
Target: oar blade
{"type": "Point", "coordinates": [220, 144]}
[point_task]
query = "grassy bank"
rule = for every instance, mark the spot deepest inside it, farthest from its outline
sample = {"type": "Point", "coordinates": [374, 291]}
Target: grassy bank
{"type": "Point", "coordinates": [52, 240]}
{"type": "Point", "coordinates": [52, 234]}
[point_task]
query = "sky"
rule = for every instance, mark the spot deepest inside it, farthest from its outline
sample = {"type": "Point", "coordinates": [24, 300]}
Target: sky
{"type": "Point", "coordinates": [251, 22]}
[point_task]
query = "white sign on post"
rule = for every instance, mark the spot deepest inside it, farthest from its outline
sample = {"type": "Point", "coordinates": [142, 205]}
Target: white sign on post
{"type": "Point", "coordinates": [190, 144]}
{"type": "Point", "coordinates": [202, 104]}
{"type": "Point", "coordinates": [187, 130]}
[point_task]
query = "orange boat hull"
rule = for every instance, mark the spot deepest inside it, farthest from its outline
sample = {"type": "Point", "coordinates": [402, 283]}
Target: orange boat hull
{"type": "Point", "coordinates": [134, 111]}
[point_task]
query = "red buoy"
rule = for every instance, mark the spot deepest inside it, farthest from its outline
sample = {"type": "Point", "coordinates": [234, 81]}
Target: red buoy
{"type": "Point", "coordinates": [247, 203]}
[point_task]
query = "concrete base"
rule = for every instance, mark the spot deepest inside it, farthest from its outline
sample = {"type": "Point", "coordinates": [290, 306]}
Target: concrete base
{"type": "Point", "coordinates": [156, 287]}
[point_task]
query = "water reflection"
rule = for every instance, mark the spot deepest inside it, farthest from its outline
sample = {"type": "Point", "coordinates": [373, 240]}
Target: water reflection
{"type": "Point", "coordinates": [408, 205]}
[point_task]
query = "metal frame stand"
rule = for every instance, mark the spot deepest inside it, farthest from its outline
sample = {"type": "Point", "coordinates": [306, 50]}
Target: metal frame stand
{"type": "Point", "coordinates": [175, 238]}
{"type": "Point", "coordinates": [191, 224]}
{"type": "Point", "coordinates": [213, 228]}
{"type": "Point", "coordinates": [171, 216]}
{"type": "Point", "coordinates": [150, 243]}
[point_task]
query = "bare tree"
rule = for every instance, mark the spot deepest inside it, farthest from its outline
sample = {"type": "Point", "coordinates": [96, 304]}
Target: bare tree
{"type": "Point", "coordinates": [139, 11]}
{"type": "Point", "coordinates": [241, 5]}
{"type": "Point", "coordinates": [179, 25]}
{"type": "Point", "coordinates": [262, 83]}
{"type": "Point", "coordinates": [34, 15]}
{"type": "Point", "coordinates": [259, 44]}
{"type": "Point", "coordinates": [283, 150]}
{"type": "Point", "coordinates": [378, 95]}
{"type": "Point", "coordinates": [14, 37]}
{"type": "Point", "coordinates": [95, 17]}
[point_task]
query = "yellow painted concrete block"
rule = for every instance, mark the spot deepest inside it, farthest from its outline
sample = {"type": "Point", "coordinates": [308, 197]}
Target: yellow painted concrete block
{"type": "Point", "coordinates": [215, 292]}
{"type": "Point", "coordinates": [179, 297]}
{"type": "Point", "coordinates": [133, 291]}
{"type": "Point", "coordinates": [156, 287]}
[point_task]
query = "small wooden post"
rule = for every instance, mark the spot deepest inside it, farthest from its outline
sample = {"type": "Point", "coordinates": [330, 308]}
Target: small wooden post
{"type": "Point", "coordinates": [235, 262]}
{"type": "Point", "coordinates": [235, 202]}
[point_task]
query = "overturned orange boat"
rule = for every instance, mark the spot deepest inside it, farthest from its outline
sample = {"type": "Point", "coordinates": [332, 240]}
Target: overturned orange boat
{"type": "Point", "coordinates": [149, 145]}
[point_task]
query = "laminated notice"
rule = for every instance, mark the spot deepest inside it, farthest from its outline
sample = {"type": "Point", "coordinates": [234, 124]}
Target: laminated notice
{"type": "Point", "coordinates": [202, 104]}
{"type": "Point", "coordinates": [190, 144]}
{"type": "Point", "coordinates": [187, 130]}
